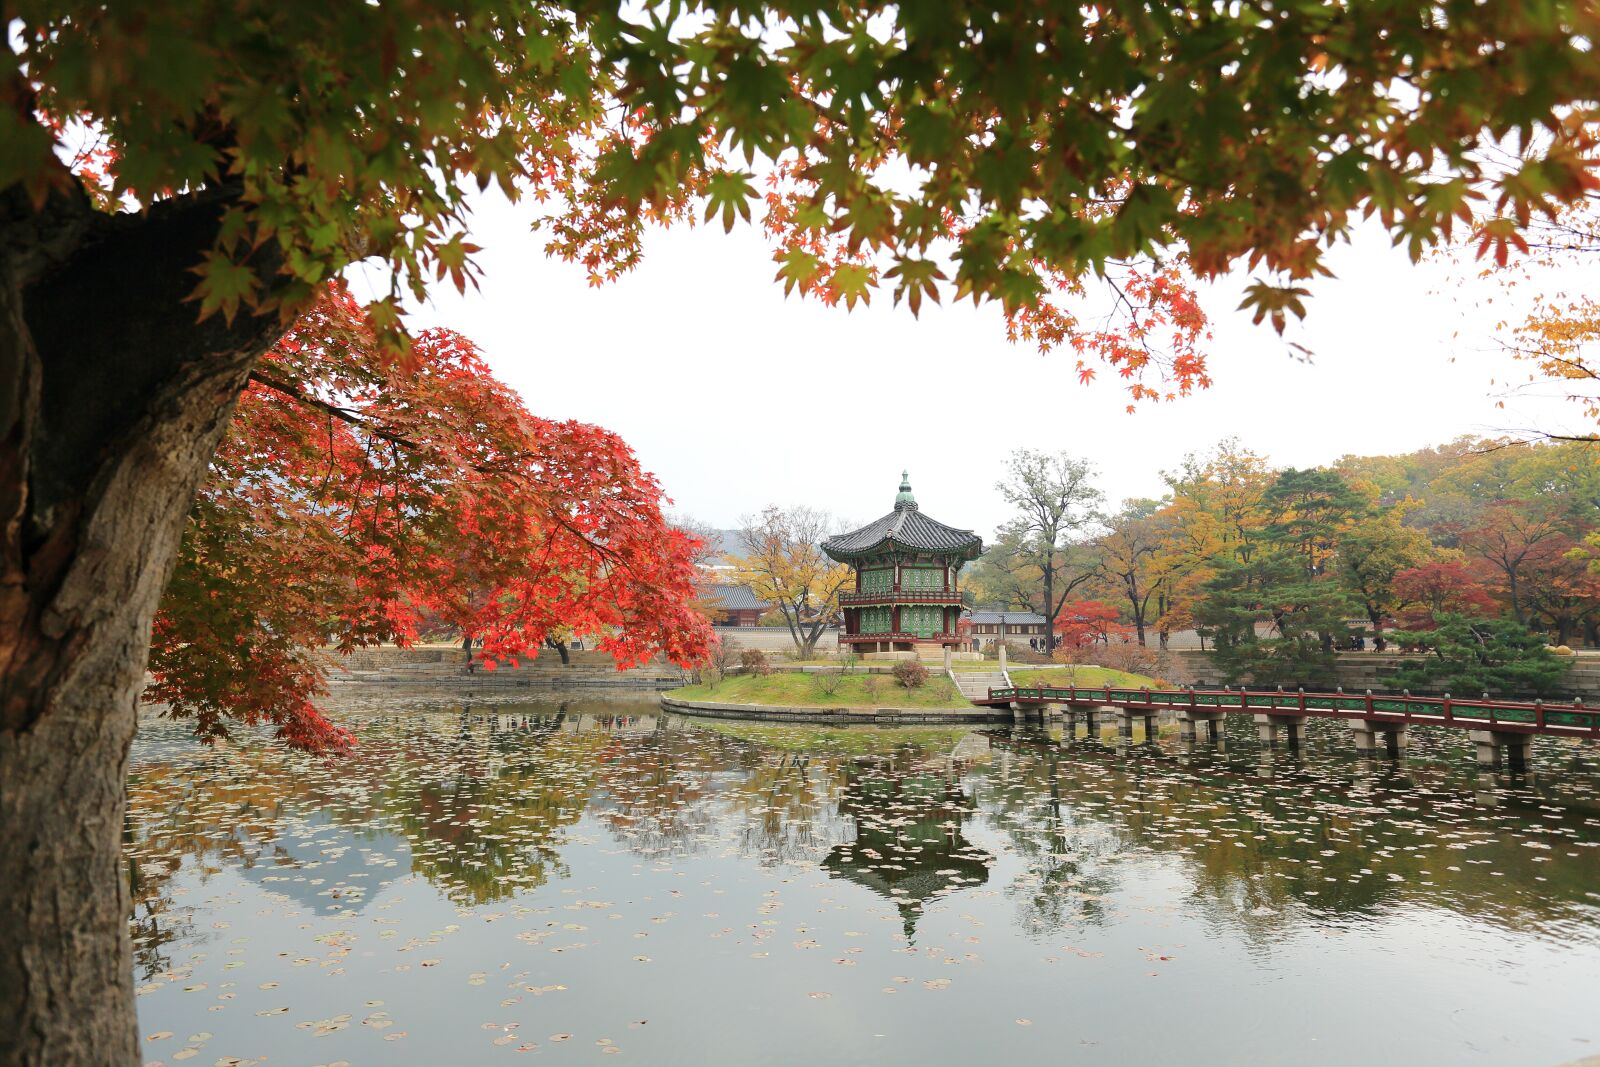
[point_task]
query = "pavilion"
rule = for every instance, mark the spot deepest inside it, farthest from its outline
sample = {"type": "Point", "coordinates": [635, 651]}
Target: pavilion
{"type": "Point", "coordinates": [905, 597]}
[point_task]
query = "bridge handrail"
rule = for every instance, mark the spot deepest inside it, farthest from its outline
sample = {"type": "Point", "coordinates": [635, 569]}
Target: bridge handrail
{"type": "Point", "coordinates": [1520, 716]}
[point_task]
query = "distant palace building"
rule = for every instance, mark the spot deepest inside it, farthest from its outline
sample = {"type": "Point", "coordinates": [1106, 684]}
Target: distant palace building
{"type": "Point", "coordinates": [905, 598]}
{"type": "Point", "coordinates": [1021, 626]}
{"type": "Point", "coordinates": [735, 605]}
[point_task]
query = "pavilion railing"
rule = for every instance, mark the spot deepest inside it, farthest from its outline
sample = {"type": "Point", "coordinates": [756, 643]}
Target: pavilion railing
{"type": "Point", "coordinates": [950, 599]}
{"type": "Point", "coordinates": [898, 635]}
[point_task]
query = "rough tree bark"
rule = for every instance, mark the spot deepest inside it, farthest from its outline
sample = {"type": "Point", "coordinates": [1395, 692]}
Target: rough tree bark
{"type": "Point", "coordinates": [112, 400]}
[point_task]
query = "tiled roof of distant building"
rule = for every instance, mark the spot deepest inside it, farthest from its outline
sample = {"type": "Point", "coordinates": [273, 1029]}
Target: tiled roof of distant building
{"type": "Point", "coordinates": [1012, 618]}
{"type": "Point", "coordinates": [734, 598]}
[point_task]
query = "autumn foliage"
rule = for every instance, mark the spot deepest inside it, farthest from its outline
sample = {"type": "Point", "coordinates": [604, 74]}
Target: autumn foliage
{"type": "Point", "coordinates": [351, 501]}
{"type": "Point", "coordinates": [1085, 623]}
{"type": "Point", "coordinates": [1433, 590]}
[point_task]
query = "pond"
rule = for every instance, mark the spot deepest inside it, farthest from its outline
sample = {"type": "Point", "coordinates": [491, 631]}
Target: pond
{"type": "Point", "coordinates": [477, 885]}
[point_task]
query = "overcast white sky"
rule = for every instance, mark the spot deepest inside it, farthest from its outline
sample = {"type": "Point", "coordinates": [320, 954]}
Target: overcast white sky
{"type": "Point", "coordinates": [737, 397]}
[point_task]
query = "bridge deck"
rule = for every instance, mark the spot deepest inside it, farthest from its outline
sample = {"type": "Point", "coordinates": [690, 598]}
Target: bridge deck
{"type": "Point", "coordinates": [1501, 716]}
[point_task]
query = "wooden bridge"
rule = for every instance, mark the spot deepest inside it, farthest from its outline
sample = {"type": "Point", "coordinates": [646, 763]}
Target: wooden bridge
{"type": "Point", "coordinates": [1501, 730]}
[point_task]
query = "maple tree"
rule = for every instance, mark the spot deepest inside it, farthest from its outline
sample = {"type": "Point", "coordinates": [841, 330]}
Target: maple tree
{"type": "Point", "coordinates": [1445, 587]}
{"type": "Point", "coordinates": [1086, 623]}
{"type": "Point", "coordinates": [1513, 537]}
{"type": "Point", "coordinates": [1132, 561]}
{"type": "Point", "coordinates": [1562, 591]}
{"type": "Point", "coordinates": [1554, 342]}
{"type": "Point", "coordinates": [231, 158]}
{"type": "Point", "coordinates": [351, 502]}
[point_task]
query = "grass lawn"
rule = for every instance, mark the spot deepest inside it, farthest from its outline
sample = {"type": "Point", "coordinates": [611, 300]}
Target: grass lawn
{"type": "Point", "coordinates": [1084, 676]}
{"type": "Point", "coordinates": [854, 691]}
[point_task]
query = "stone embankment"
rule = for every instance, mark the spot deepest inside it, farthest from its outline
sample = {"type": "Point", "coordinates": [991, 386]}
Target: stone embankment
{"type": "Point", "coordinates": [837, 716]}
{"type": "Point", "coordinates": [447, 671]}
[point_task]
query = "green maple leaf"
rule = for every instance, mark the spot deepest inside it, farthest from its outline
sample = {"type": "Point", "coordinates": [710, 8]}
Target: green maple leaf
{"type": "Point", "coordinates": [729, 192]}
{"type": "Point", "coordinates": [799, 268]}
{"type": "Point", "coordinates": [224, 285]}
{"type": "Point", "coordinates": [852, 282]}
{"type": "Point", "coordinates": [918, 277]}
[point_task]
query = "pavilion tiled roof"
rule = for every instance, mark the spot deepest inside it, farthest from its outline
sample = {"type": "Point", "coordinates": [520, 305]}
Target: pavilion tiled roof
{"type": "Point", "coordinates": [907, 527]}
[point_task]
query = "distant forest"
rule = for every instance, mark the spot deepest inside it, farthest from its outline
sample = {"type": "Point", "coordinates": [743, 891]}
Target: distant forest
{"type": "Point", "coordinates": [1490, 543]}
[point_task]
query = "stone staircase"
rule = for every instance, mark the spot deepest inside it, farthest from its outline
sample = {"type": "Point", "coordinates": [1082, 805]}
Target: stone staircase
{"type": "Point", "coordinates": [975, 685]}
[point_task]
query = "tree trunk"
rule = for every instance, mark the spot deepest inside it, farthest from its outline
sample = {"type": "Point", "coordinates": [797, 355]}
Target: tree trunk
{"type": "Point", "coordinates": [808, 649]}
{"type": "Point", "coordinates": [112, 400]}
{"type": "Point", "coordinates": [1516, 600]}
{"type": "Point", "coordinates": [1049, 598]}
{"type": "Point", "coordinates": [797, 628]}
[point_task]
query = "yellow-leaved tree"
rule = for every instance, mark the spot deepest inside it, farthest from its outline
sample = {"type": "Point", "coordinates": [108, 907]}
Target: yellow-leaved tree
{"type": "Point", "coordinates": [783, 565]}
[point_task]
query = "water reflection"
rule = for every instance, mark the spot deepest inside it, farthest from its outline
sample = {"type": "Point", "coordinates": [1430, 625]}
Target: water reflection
{"type": "Point", "coordinates": [1333, 836]}
{"type": "Point", "coordinates": [908, 812]}
{"type": "Point", "coordinates": [1056, 849]}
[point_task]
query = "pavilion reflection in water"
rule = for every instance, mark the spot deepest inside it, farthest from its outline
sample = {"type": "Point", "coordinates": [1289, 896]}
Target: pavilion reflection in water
{"type": "Point", "coordinates": [909, 815]}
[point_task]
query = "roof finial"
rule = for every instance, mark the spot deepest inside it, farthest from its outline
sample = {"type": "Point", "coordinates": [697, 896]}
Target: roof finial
{"type": "Point", "coordinates": [904, 499]}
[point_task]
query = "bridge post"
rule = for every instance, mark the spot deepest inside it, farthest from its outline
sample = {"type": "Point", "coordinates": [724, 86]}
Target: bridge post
{"type": "Point", "coordinates": [1369, 734]}
{"type": "Point", "coordinates": [1091, 731]}
{"type": "Point", "coordinates": [1269, 727]}
{"type": "Point", "coordinates": [1191, 719]}
{"type": "Point", "coordinates": [1498, 749]}
{"type": "Point", "coordinates": [1128, 715]}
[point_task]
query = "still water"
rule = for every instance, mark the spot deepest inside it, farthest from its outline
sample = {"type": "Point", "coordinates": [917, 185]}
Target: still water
{"type": "Point", "coordinates": [484, 884]}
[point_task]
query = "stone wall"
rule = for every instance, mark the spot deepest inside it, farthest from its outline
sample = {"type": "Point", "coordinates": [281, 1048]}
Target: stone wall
{"type": "Point", "coordinates": [445, 670]}
{"type": "Point", "coordinates": [773, 638]}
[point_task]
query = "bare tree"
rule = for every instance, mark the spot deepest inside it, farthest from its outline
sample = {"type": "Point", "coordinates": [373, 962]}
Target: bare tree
{"type": "Point", "coordinates": [709, 537]}
{"type": "Point", "coordinates": [1055, 503]}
